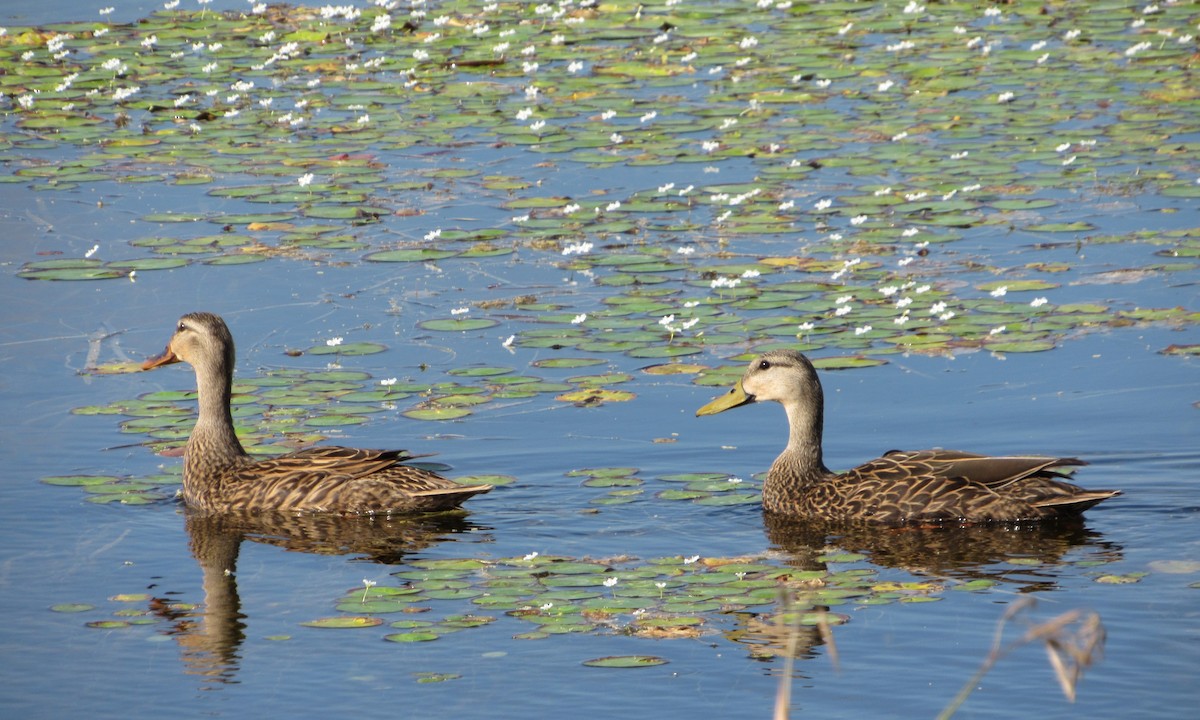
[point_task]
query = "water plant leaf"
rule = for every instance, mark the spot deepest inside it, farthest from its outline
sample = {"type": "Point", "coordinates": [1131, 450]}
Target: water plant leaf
{"type": "Point", "coordinates": [344, 621]}
{"type": "Point", "coordinates": [626, 661]}
{"type": "Point", "coordinates": [347, 349]}
{"type": "Point", "coordinates": [458, 324]}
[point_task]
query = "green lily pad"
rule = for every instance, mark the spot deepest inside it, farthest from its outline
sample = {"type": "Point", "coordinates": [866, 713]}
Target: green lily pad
{"type": "Point", "coordinates": [72, 607]}
{"type": "Point", "coordinates": [344, 621]}
{"type": "Point", "coordinates": [410, 637]}
{"type": "Point", "coordinates": [626, 661]}
{"type": "Point", "coordinates": [347, 349]}
{"type": "Point", "coordinates": [410, 255]}
{"type": "Point", "coordinates": [436, 413]}
{"type": "Point", "coordinates": [458, 324]}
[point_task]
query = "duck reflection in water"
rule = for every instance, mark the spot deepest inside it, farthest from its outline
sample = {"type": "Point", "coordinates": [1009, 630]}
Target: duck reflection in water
{"type": "Point", "coordinates": [211, 638]}
{"type": "Point", "coordinates": [1023, 558]}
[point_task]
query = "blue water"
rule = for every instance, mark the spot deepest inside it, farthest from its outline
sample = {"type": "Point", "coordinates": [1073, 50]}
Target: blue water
{"type": "Point", "coordinates": [1108, 397]}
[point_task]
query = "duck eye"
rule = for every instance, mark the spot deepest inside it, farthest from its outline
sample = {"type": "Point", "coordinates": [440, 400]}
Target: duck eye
{"type": "Point", "coordinates": [764, 364]}
{"type": "Point", "coordinates": [181, 327]}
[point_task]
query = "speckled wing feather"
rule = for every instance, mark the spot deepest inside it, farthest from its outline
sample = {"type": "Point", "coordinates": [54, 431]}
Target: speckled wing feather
{"type": "Point", "coordinates": [952, 485]}
{"type": "Point", "coordinates": [342, 479]}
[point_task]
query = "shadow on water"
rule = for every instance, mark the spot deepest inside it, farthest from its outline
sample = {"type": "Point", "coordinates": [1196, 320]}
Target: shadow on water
{"type": "Point", "coordinates": [211, 639]}
{"type": "Point", "coordinates": [1027, 558]}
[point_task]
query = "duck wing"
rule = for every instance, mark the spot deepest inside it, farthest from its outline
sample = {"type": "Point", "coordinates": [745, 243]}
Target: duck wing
{"type": "Point", "coordinates": [955, 485]}
{"type": "Point", "coordinates": [342, 479]}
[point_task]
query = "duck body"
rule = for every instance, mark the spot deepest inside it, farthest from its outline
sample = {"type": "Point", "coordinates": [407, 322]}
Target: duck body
{"type": "Point", "coordinates": [219, 476]}
{"type": "Point", "coordinates": [900, 487]}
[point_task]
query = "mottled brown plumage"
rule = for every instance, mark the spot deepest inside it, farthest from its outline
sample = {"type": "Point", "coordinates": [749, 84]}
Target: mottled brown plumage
{"type": "Point", "coordinates": [218, 475]}
{"type": "Point", "coordinates": [926, 485]}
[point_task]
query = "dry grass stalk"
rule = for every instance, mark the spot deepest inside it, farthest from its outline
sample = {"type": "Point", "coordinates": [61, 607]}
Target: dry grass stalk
{"type": "Point", "coordinates": [783, 692]}
{"type": "Point", "coordinates": [1074, 641]}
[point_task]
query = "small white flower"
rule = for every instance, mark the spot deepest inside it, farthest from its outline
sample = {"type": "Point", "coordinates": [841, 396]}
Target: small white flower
{"type": "Point", "coordinates": [460, 310]}
{"type": "Point", "coordinates": [1038, 302]}
{"type": "Point", "coordinates": [805, 326]}
{"type": "Point", "coordinates": [531, 555]}
{"type": "Point", "coordinates": [843, 300]}
{"type": "Point", "coordinates": [690, 560]}
{"type": "Point", "coordinates": [91, 252]}
{"type": "Point", "coordinates": [546, 606]}
{"type": "Point", "coordinates": [579, 248]}
{"type": "Point", "coordinates": [685, 250]}
{"type": "Point", "coordinates": [862, 330]}
{"type": "Point", "coordinates": [333, 342]}
{"type": "Point", "coordinates": [305, 180]}
{"type": "Point", "coordinates": [843, 310]}
{"type": "Point", "coordinates": [508, 341]}
{"type": "Point", "coordinates": [938, 307]}
{"type": "Point", "coordinates": [579, 318]}
{"type": "Point", "coordinates": [997, 330]}
{"type": "Point", "coordinates": [858, 219]}
{"type": "Point", "coordinates": [1000, 291]}
{"type": "Point", "coordinates": [609, 582]}
{"type": "Point", "coordinates": [823, 204]}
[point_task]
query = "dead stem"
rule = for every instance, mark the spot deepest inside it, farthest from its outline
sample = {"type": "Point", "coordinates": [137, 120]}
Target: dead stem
{"type": "Point", "coordinates": [1071, 650]}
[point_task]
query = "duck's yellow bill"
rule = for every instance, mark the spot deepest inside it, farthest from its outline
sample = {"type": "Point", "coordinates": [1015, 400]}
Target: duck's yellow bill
{"type": "Point", "coordinates": [735, 397]}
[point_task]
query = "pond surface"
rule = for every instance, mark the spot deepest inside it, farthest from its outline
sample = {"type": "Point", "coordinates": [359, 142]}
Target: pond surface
{"type": "Point", "coordinates": [1021, 277]}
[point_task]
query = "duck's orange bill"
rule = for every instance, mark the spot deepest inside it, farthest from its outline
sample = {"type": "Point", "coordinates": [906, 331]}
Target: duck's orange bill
{"type": "Point", "coordinates": [166, 357]}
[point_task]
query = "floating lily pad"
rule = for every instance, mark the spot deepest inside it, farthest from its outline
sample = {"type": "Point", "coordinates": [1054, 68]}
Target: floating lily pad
{"type": "Point", "coordinates": [344, 621]}
{"type": "Point", "coordinates": [458, 324]}
{"type": "Point", "coordinates": [436, 413]}
{"type": "Point", "coordinates": [410, 255]}
{"type": "Point", "coordinates": [626, 661]}
{"type": "Point", "coordinates": [347, 349]}
{"type": "Point", "coordinates": [410, 637]}
{"type": "Point", "coordinates": [72, 607]}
